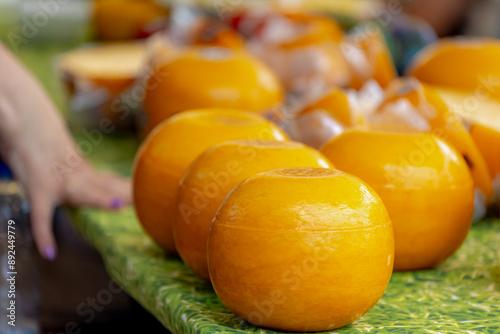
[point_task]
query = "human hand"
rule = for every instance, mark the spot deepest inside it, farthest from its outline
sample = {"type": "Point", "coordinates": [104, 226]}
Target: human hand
{"type": "Point", "coordinates": [33, 141]}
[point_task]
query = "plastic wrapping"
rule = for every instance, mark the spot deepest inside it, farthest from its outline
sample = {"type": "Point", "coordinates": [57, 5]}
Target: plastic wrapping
{"type": "Point", "coordinates": [189, 26]}
{"type": "Point", "coordinates": [368, 58]}
{"type": "Point", "coordinates": [303, 49]}
{"type": "Point", "coordinates": [308, 68]}
{"type": "Point", "coordinates": [314, 128]}
{"type": "Point", "coordinates": [320, 118]}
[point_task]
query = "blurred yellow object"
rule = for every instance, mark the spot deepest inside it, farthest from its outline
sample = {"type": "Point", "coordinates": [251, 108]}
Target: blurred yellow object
{"type": "Point", "coordinates": [482, 114]}
{"type": "Point", "coordinates": [125, 19]}
{"type": "Point", "coordinates": [487, 138]}
{"type": "Point", "coordinates": [209, 77]}
{"type": "Point", "coordinates": [113, 66]}
{"type": "Point", "coordinates": [464, 64]}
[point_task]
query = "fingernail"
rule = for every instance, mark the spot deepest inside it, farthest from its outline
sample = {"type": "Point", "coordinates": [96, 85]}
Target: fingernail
{"type": "Point", "coordinates": [116, 203]}
{"type": "Point", "coordinates": [50, 253]}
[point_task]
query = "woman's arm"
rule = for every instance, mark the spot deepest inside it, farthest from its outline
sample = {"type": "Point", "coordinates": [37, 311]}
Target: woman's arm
{"type": "Point", "coordinates": [39, 149]}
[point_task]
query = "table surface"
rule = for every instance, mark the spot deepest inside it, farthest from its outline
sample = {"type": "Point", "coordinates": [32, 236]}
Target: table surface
{"type": "Point", "coordinates": [460, 296]}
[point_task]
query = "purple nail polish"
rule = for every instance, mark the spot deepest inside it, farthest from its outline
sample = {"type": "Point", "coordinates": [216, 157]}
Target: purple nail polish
{"type": "Point", "coordinates": [50, 253]}
{"type": "Point", "coordinates": [116, 203]}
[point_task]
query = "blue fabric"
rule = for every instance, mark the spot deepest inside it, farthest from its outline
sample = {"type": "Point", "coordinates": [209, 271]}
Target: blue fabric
{"type": "Point", "coordinates": [5, 172]}
{"type": "Point", "coordinates": [406, 36]}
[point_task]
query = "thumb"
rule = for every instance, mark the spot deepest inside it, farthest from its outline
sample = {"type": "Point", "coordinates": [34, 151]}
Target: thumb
{"type": "Point", "coordinates": [41, 224]}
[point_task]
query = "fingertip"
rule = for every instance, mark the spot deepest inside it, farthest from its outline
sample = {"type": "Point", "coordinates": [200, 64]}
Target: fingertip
{"type": "Point", "coordinates": [50, 253]}
{"type": "Point", "coordinates": [41, 223]}
{"type": "Point", "coordinates": [117, 203]}
{"type": "Point", "coordinates": [47, 252]}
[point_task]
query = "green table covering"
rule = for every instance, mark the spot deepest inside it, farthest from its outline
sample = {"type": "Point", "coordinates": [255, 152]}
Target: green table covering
{"type": "Point", "coordinates": [460, 296]}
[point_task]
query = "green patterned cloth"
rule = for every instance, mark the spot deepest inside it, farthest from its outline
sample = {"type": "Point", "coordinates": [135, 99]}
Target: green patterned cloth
{"type": "Point", "coordinates": [460, 296]}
